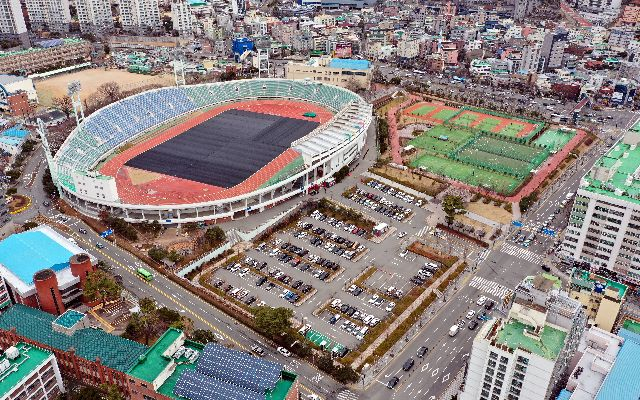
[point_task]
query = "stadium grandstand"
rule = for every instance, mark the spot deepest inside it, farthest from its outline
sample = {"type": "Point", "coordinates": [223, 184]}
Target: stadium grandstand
{"type": "Point", "coordinates": [211, 151]}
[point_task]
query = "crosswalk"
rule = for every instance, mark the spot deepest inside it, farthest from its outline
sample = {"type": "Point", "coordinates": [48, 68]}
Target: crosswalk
{"type": "Point", "coordinates": [493, 288]}
{"type": "Point", "coordinates": [521, 253]}
{"type": "Point", "coordinates": [423, 231]}
{"type": "Point", "coordinates": [347, 395]}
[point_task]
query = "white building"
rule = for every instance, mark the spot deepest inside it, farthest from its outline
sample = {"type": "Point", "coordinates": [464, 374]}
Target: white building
{"type": "Point", "coordinates": [11, 19]}
{"type": "Point", "coordinates": [523, 355]}
{"type": "Point", "coordinates": [94, 15]}
{"type": "Point", "coordinates": [523, 8]}
{"type": "Point", "coordinates": [604, 227]}
{"type": "Point", "coordinates": [53, 15]}
{"type": "Point", "coordinates": [29, 372]}
{"type": "Point", "coordinates": [597, 6]}
{"type": "Point", "coordinates": [408, 49]}
{"type": "Point", "coordinates": [182, 17]}
{"type": "Point", "coordinates": [14, 83]}
{"type": "Point", "coordinates": [531, 57]}
{"type": "Point", "coordinates": [480, 67]}
{"type": "Point", "coordinates": [140, 15]}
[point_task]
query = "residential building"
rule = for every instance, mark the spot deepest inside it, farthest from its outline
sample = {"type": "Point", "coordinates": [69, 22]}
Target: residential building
{"type": "Point", "coordinates": [522, 356]}
{"type": "Point", "coordinates": [630, 16]}
{"type": "Point", "coordinates": [531, 57]}
{"type": "Point", "coordinates": [12, 23]}
{"type": "Point", "coordinates": [55, 53]}
{"type": "Point", "coordinates": [182, 17]}
{"type": "Point", "coordinates": [599, 6]}
{"type": "Point", "coordinates": [175, 367]}
{"type": "Point", "coordinates": [13, 84]}
{"type": "Point", "coordinates": [408, 49]}
{"type": "Point", "coordinates": [88, 355]}
{"type": "Point", "coordinates": [94, 16]}
{"type": "Point", "coordinates": [600, 297]}
{"type": "Point", "coordinates": [480, 67]}
{"type": "Point", "coordinates": [604, 226]}
{"type": "Point", "coordinates": [29, 372]}
{"type": "Point", "coordinates": [334, 71]}
{"type": "Point", "coordinates": [51, 15]}
{"type": "Point", "coordinates": [523, 8]}
{"type": "Point", "coordinates": [621, 37]}
{"type": "Point", "coordinates": [552, 50]}
{"type": "Point", "coordinates": [11, 140]}
{"type": "Point", "coordinates": [43, 269]}
{"type": "Point", "coordinates": [140, 16]}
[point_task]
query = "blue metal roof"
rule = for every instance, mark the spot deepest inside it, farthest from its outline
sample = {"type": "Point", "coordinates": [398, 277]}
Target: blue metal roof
{"type": "Point", "coordinates": [629, 336]}
{"type": "Point", "coordinates": [346, 63]}
{"type": "Point", "coordinates": [564, 395]}
{"type": "Point", "coordinates": [622, 383]}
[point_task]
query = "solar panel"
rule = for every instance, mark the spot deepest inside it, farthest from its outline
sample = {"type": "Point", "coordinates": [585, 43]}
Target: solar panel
{"type": "Point", "coordinates": [238, 367]}
{"type": "Point", "coordinates": [195, 386]}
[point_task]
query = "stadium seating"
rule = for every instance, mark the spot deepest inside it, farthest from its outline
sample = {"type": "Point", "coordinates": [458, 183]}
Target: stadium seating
{"type": "Point", "coordinates": [120, 122]}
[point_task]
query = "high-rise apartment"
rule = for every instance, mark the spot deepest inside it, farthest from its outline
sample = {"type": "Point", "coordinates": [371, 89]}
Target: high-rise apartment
{"type": "Point", "coordinates": [51, 15]}
{"type": "Point", "coordinates": [182, 17]}
{"type": "Point", "coordinates": [12, 23]}
{"type": "Point", "coordinates": [140, 15]}
{"type": "Point", "coordinates": [94, 15]}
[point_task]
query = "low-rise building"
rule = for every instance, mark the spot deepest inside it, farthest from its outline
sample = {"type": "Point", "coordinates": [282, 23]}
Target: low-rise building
{"type": "Point", "coordinates": [601, 297]}
{"type": "Point", "coordinates": [29, 372]}
{"type": "Point", "coordinates": [55, 53]}
{"type": "Point", "coordinates": [334, 71]}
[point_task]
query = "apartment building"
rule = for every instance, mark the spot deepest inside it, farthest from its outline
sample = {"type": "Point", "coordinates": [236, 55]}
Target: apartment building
{"type": "Point", "coordinates": [12, 23]}
{"type": "Point", "coordinates": [140, 16]}
{"type": "Point", "coordinates": [29, 372]}
{"type": "Point", "coordinates": [521, 356]}
{"type": "Point", "coordinates": [335, 71]}
{"type": "Point", "coordinates": [94, 15]}
{"type": "Point", "coordinates": [523, 8]}
{"type": "Point", "coordinates": [552, 50]}
{"type": "Point", "coordinates": [599, 6]}
{"type": "Point", "coordinates": [51, 15]}
{"type": "Point", "coordinates": [182, 17]}
{"type": "Point", "coordinates": [62, 53]}
{"type": "Point", "coordinates": [604, 226]}
{"type": "Point", "coordinates": [601, 298]}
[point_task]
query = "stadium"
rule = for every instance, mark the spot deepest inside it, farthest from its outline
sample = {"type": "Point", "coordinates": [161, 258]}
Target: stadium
{"type": "Point", "coordinates": [210, 152]}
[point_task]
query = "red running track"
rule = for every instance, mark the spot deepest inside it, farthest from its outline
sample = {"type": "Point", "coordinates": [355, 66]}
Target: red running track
{"type": "Point", "coordinates": [161, 189]}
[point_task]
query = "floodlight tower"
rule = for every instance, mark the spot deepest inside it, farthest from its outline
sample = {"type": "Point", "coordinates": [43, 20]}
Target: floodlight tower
{"type": "Point", "coordinates": [178, 72]}
{"type": "Point", "coordinates": [263, 62]}
{"type": "Point", "coordinates": [73, 90]}
{"type": "Point", "coordinates": [42, 132]}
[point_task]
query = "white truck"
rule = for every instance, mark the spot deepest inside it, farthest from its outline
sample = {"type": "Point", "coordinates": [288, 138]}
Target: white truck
{"type": "Point", "coordinates": [453, 330]}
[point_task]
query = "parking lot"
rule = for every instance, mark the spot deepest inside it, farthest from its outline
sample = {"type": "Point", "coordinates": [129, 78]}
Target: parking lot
{"type": "Point", "coordinates": [332, 273]}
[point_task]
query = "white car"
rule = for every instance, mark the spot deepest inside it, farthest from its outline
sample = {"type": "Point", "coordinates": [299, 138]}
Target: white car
{"type": "Point", "coordinates": [470, 314]}
{"type": "Point", "coordinates": [373, 299]}
{"type": "Point", "coordinates": [390, 306]}
{"type": "Point", "coordinates": [284, 351]}
{"type": "Point", "coordinates": [481, 300]}
{"type": "Point", "coordinates": [401, 235]}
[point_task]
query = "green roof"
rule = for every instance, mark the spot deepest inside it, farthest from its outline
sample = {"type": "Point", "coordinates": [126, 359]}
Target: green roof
{"type": "Point", "coordinates": [626, 165]}
{"type": "Point", "coordinates": [37, 49]}
{"type": "Point", "coordinates": [282, 387]}
{"type": "Point", "coordinates": [30, 358]}
{"type": "Point", "coordinates": [153, 362]}
{"type": "Point", "coordinates": [69, 318]}
{"type": "Point", "coordinates": [631, 325]}
{"type": "Point", "coordinates": [584, 278]}
{"type": "Point", "coordinates": [549, 346]}
{"type": "Point", "coordinates": [89, 343]}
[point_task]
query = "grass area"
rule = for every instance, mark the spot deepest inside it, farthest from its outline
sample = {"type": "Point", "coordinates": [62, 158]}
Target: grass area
{"type": "Point", "coordinates": [445, 115]}
{"type": "Point", "coordinates": [360, 280]}
{"type": "Point", "coordinates": [490, 211]}
{"type": "Point", "coordinates": [430, 142]}
{"type": "Point", "coordinates": [488, 124]}
{"type": "Point", "coordinates": [513, 129]}
{"type": "Point", "coordinates": [425, 109]}
{"type": "Point", "coordinates": [631, 325]}
{"type": "Point", "coordinates": [417, 182]}
{"type": "Point", "coordinates": [465, 118]}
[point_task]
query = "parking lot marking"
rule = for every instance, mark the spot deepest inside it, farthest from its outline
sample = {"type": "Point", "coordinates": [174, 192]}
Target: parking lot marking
{"type": "Point", "coordinates": [425, 367]}
{"type": "Point", "coordinates": [445, 378]}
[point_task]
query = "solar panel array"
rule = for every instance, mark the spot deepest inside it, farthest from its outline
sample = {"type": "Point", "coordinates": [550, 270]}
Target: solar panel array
{"type": "Point", "coordinates": [195, 386]}
{"type": "Point", "coordinates": [225, 374]}
{"type": "Point", "coordinates": [239, 367]}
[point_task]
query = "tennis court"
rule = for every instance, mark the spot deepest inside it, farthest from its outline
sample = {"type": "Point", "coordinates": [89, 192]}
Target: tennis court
{"type": "Point", "coordinates": [445, 114]}
{"type": "Point", "coordinates": [555, 139]}
{"type": "Point", "coordinates": [513, 129]}
{"type": "Point", "coordinates": [488, 124]}
{"type": "Point", "coordinates": [441, 139]}
{"type": "Point", "coordinates": [489, 121]}
{"type": "Point", "coordinates": [425, 109]}
{"type": "Point", "coordinates": [466, 119]}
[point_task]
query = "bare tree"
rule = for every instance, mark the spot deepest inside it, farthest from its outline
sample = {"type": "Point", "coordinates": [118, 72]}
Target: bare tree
{"type": "Point", "coordinates": [110, 91]}
{"type": "Point", "coordinates": [64, 104]}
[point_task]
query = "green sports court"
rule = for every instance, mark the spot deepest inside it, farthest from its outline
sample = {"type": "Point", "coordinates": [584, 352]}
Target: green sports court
{"type": "Point", "coordinates": [321, 340]}
{"type": "Point", "coordinates": [555, 139]}
{"type": "Point", "coordinates": [422, 110]}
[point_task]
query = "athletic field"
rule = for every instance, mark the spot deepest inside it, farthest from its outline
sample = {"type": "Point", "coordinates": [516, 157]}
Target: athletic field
{"type": "Point", "coordinates": [432, 112]}
{"type": "Point", "coordinates": [555, 139]}
{"type": "Point", "coordinates": [489, 121]}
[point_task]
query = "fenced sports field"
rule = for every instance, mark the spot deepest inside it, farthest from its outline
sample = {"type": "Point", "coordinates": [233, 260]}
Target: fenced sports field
{"type": "Point", "coordinates": [494, 122]}
{"type": "Point", "coordinates": [555, 139]}
{"type": "Point", "coordinates": [432, 112]}
{"type": "Point", "coordinates": [489, 160]}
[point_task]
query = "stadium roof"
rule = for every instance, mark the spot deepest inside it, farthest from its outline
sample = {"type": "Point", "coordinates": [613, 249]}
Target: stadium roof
{"type": "Point", "coordinates": [24, 254]}
{"type": "Point", "coordinates": [89, 343]}
{"type": "Point", "coordinates": [349, 64]}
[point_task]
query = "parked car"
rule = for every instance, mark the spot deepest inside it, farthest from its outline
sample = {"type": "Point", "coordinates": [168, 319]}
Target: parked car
{"type": "Point", "coordinates": [284, 351]}
{"type": "Point", "coordinates": [257, 350]}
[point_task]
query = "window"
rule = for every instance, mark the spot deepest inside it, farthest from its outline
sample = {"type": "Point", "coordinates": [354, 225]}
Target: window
{"type": "Point", "coordinates": [496, 390]}
{"type": "Point", "coordinates": [504, 360]}
{"type": "Point", "coordinates": [490, 371]}
{"type": "Point", "coordinates": [515, 391]}
{"type": "Point", "coordinates": [498, 383]}
{"type": "Point", "coordinates": [500, 375]}
{"type": "Point", "coordinates": [493, 356]}
{"type": "Point", "coordinates": [485, 393]}
{"type": "Point", "coordinates": [502, 368]}
{"type": "Point", "coordinates": [492, 363]}
{"type": "Point", "coordinates": [488, 378]}
{"type": "Point", "coordinates": [486, 385]}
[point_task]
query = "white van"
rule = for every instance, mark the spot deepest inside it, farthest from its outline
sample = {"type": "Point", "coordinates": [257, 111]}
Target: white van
{"type": "Point", "coordinates": [364, 330]}
{"type": "Point", "coordinates": [453, 330]}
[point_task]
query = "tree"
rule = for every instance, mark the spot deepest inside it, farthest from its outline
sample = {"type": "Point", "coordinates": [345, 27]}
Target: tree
{"type": "Point", "coordinates": [203, 336]}
{"type": "Point", "coordinates": [214, 236]}
{"type": "Point", "coordinates": [111, 392]}
{"type": "Point", "coordinates": [189, 227]}
{"type": "Point", "coordinates": [29, 225]}
{"type": "Point", "coordinates": [110, 91]}
{"type": "Point", "coordinates": [47, 184]}
{"type": "Point", "coordinates": [101, 286]}
{"type": "Point", "coordinates": [146, 322]}
{"type": "Point", "coordinates": [63, 104]}
{"type": "Point", "coordinates": [272, 321]}
{"type": "Point", "coordinates": [527, 201]}
{"type": "Point", "coordinates": [452, 206]}
{"type": "Point", "coordinates": [342, 173]}
{"type": "Point", "coordinates": [157, 253]}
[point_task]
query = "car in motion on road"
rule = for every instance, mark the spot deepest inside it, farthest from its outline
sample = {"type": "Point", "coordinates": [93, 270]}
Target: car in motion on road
{"type": "Point", "coordinates": [489, 305]}
{"type": "Point", "coordinates": [473, 325]}
{"type": "Point", "coordinates": [481, 300]}
{"type": "Point", "coordinates": [422, 351]}
{"type": "Point", "coordinates": [408, 364]}
{"type": "Point", "coordinates": [284, 351]}
{"type": "Point", "coordinates": [393, 382]}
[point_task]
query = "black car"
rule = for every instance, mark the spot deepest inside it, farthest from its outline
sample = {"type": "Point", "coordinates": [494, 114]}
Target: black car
{"type": "Point", "coordinates": [250, 300]}
{"type": "Point", "coordinates": [545, 268]}
{"type": "Point", "coordinates": [423, 350]}
{"type": "Point", "coordinates": [296, 284]}
{"type": "Point", "coordinates": [357, 291]}
{"type": "Point", "coordinates": [473, 325]}
{"type": "Point", "coordinates": [489, 305]}
{"type": "Point", "coordinates": [350, 311]}
{"type": "Point", "coordinates": [261, 281]}
{"type": "Point", "coordinates": [344, 308]}
{"type": "Point", "coordinates": [393, 382]}
{"type": "Point", "coordinates": [323, 275]}
{"type": "Point", "coordinates": [408, 364]}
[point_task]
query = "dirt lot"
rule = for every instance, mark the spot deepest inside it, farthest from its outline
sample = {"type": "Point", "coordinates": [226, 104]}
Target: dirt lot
{"type": "Point", "coordinates": [490, 211]}
{"type": "Point", "coordinates": [91, 79]}
{"type": "Point", "coordinates": [415, 181]}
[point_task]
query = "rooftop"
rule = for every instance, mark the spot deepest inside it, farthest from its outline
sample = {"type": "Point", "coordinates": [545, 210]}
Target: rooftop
{"type": "Point", "coordinates": [7, 79]}
{"type": "Point", "coordinates": [596, 282]}
{"type": "Point", "coordinates": [67, 41]}
{"type": "Point", "coordinates": [89, 343]}
{"type": "Point", "coordinates": [30, 358]}
{"type": "Point", "coordinates": [24, 254]}
{"type": "Point", "coordinates": [551, 340]}
{"type": "Point", "coordinates": [623, 160]}
{"type": "Point", "coordinates": [349, 64]}
{"type": "Point", "coordinates": [622, 383]}
{"type": "Point", "coordinates": [631, 325]}
{"type": "Point", "coordinates": [69, 318]}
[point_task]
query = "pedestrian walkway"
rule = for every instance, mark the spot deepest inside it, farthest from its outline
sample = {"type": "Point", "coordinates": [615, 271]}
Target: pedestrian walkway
{"type": "Point", "coordinates": [347, 395]}
{"type": "Point", "coordinates": [493, 288]}
{"type": "Point", "coordinates": [521, 253]}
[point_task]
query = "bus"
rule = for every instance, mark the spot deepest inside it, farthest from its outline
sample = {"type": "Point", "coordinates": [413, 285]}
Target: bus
{"type": "Point", "coordinates": [144, 274]}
